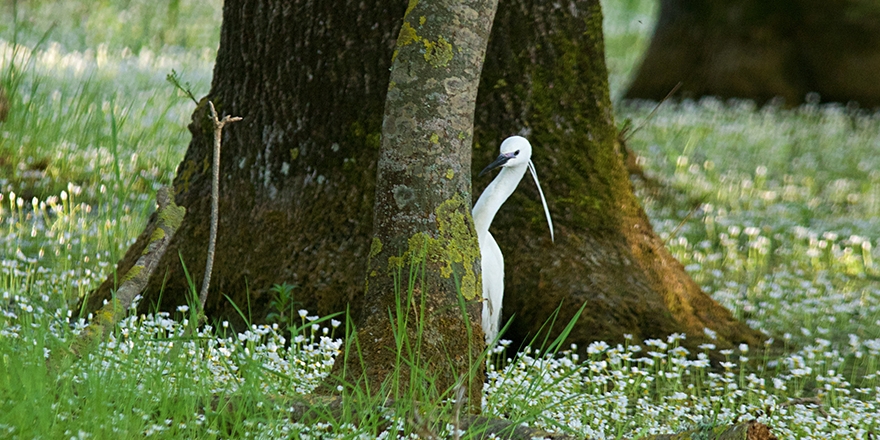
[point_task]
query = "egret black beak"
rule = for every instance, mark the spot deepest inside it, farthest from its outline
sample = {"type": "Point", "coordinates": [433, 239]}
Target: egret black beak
{"type": "Point", "coordinates": [498, 162]}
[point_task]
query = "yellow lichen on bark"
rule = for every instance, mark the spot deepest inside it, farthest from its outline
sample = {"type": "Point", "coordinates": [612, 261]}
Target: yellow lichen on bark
{"type": "Point", "coordinates": [158, 234]}
{"type": "Point", "coordinates": [407, 35]}
{"type": "Point", "coordinates": [375, 247]}
{"type": "Point", "coordinates": [133, 272]}
{"type": "Point", "coordinates": [458, 244]}
{"type": "Point", "coordinates": [412, 5]}
{"type": "Point", "coordinates": [438, 54]}
{"type": "Point", "coordinates": [172, 216]}
{"type": "Point", "coordinates": [454, 246]}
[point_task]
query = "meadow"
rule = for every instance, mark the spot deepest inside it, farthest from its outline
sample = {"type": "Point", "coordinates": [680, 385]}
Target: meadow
{"type": "Point", "coordinates": [774, 211]}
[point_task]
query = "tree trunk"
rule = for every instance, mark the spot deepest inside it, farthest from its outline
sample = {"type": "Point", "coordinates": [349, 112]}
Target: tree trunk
{"type": "Point", "coordinates": [422, 226]}
{"type": "Point", "coordinates": [298, 173]}
{"type": "Point", "coordinates": [546, 77]}
{"type": "Point", "coordinates": [759, 50]}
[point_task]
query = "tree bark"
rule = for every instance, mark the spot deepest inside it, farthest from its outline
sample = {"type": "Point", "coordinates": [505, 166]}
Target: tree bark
{"type": "Point", "coordinates": [424, 259]}
{"type": "Point", "coordinates": [298, 174]}
{"type": "Point", "coordinates": [760, 50]}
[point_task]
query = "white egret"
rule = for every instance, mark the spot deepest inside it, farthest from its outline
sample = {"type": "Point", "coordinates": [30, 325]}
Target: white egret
{"type": "Point", "coordinates": [516, 154]}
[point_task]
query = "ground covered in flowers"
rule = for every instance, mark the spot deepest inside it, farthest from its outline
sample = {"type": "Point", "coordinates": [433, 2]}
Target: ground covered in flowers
{"type": "Point", "coordinates": [775, 212]}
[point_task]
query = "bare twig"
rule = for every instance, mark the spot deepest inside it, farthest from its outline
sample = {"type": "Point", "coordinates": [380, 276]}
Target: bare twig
{"type": "Point", "coordinates": [456, 418]}
{"type": "Point", "coordinates": [421, 426]}
{"type": "Point", "coordinates": [215, 206]}
{"type": "Point", "coordinates": [690, 214]}
{"type": "Point", "coordinates": [626, 133]}
{"type": "Point", "coordinates": [174, 79]}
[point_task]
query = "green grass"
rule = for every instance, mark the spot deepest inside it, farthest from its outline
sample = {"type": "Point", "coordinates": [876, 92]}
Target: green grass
{"type": "Point", "coordinates": [94, 129]}
{"type": "Point", "coordinates": [775, 212]}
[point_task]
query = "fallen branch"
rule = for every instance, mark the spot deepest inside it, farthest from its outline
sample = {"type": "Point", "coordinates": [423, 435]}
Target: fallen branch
{"type": "Point", "coordinates": [133, 282]}
{"type": "Point", "coordinates": [750, 430]}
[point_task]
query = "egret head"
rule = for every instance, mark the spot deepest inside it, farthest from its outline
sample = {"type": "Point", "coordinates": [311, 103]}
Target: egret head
{"type": "Point", "coordinates": [515, 151]}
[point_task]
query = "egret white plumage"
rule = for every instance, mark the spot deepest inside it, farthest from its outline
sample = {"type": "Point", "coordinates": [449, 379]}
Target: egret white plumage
{"type": "Point", "coordinates": [515, 157]}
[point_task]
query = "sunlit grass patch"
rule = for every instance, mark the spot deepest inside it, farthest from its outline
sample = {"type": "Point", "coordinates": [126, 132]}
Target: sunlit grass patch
{"type": "Point", "coordinates": [92, 118]}
{"type": "Point", "coordinates": [660, 387]}
{"type": "Point", "coordinates": [58, 233]}
{"type": "Point", "coordinates": [149, 379]}
{"type": "Point", "coordinates": [135, 24]}
{"type": "Point", "coordinates": [773, 211]}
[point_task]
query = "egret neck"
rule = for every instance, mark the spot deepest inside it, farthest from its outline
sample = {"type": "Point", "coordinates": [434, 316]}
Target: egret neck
{"type": "Point", "coordinates": [495, 195]}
